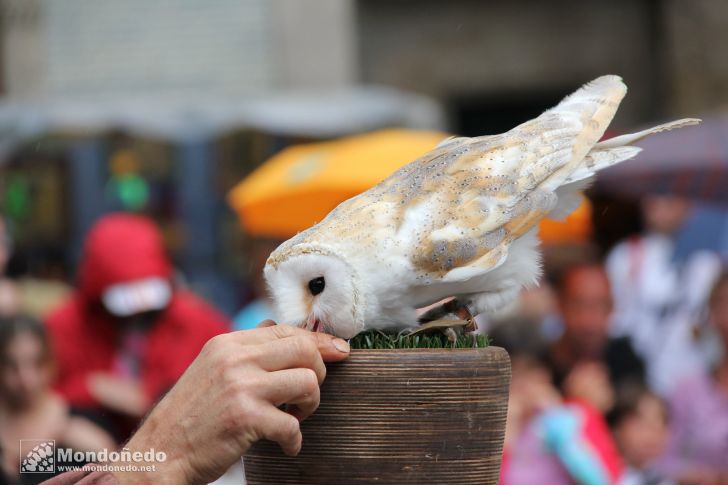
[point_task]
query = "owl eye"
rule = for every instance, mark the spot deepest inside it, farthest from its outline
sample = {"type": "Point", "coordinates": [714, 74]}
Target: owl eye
{"type": "Point", "coordinates": [317, 285]}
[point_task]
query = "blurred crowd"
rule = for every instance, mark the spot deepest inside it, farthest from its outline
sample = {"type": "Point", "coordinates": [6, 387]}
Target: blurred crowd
{"type": "Point", "coordinates": [620, 373]}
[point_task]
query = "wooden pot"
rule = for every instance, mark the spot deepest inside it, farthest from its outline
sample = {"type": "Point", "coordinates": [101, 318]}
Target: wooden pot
{"type": "Point", "coordinates": [399, 416]}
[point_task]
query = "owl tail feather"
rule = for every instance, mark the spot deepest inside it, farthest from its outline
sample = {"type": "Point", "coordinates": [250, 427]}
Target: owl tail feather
{"type": "Point", "coordinates": [615, 150]}
{"type": "Point", "coordinates": [604, 154]}
{"type": "Point", "coordinates": [630, 138]}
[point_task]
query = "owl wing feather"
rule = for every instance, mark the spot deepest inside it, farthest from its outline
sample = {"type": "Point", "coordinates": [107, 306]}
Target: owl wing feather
{"type": "Point", "coordinates": [493, 189]}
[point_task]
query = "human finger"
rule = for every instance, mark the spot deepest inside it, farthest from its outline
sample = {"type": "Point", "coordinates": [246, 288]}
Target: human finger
{"type": "Point", "coordinates": [295, 352]}
{"type": "Point", "coordinates": [297, 388]}
{"type": "Point", "coordinates": [331, 348]}
{"type": "Point", "coordinates": [283, 428]}
{"type": "Point", "coordinates": [266, 323]}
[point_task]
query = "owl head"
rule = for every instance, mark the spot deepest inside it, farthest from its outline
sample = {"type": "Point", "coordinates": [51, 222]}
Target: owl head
{"type": "Point", "coordinates": [314, 288]}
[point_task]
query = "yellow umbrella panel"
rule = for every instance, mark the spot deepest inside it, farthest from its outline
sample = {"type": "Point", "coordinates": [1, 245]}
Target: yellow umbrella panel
{"type": "Point", "coordinates": [300, 185]}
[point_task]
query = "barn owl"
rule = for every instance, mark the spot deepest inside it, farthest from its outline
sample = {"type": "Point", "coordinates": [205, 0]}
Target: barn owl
{"type": "Point", "coordinates": [461, 221]}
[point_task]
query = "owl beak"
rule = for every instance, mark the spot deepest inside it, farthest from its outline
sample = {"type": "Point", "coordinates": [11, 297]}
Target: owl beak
{"type": "Point", "coordinates": [313, 323]}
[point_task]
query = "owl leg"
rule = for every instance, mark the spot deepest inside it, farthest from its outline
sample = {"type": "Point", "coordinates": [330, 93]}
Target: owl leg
{"type": "Point", "coordinates": [436, 312]}
{"type": "Point", "coordinates": [454, 307]}
{"type": "Point", "coordinates": [435, 318]}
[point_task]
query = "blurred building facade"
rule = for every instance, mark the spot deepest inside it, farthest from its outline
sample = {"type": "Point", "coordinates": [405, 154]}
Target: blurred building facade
{"type": "Point", "coordinates": [501, 55]}
{"type": "Point", "coordinates": [81, 48]}
{"type": "Point", "coordinates": [667, 50]}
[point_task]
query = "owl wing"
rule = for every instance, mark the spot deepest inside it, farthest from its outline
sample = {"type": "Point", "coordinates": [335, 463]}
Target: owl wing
{"type": "Point", "coordinates": [463, 204]}
{"type": "Point", "coordinates": [452, 214]}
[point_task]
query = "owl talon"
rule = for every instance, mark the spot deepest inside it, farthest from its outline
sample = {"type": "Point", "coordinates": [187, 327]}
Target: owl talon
{"type": "Point", "coordinates": [453, 307]}
{"type": "Point", "coordinates": [451, 335]}
{"type": "Point", "coordinates": [449, 327]}
{"type": "Point", "coordinates": [436, 319]}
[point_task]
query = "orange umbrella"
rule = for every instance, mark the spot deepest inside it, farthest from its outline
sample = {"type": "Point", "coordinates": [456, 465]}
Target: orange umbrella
{"type": "Point", "coordinates": [575, 229]}
{"type": "Point", "coordinates": [301, 184]}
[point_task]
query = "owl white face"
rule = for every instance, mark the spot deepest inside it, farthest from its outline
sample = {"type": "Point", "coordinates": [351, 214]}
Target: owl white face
{"type": "Point", "coordinates": [315, 292]}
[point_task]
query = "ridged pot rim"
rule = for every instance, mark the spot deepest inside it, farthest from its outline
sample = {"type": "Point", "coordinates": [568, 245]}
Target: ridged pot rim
{"type": "Point", "coordinates": [431, 350]}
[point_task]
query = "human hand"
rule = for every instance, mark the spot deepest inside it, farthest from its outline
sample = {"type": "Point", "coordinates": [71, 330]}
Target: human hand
{"type": "Point", "coordinates": [120, 394]}
{"type": "Point", "coordinates": [230, 397]}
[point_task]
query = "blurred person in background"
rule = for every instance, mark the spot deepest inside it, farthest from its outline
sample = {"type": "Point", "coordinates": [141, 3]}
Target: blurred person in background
{"type": "Point", "coordinates": [586, 362]}
{"type": "Point", "coordinates": [126, 334]}
{"type": "Point", "coordinates": [29, 409]}
{"type": "Point", "coordinates": [552, 440]}
{"type": "Point", "coordinates": [639, 423]}
{"type": "Point", "coordinates": [659, 294]}
{"type": "Point", "coordinates": [697, 452]}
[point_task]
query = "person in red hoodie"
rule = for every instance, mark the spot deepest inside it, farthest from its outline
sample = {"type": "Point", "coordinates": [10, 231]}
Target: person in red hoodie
{"type": "Point", "coordinates": [126, 334]}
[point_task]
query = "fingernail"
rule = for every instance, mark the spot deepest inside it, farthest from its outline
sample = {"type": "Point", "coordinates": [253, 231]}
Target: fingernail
{"type": "Point", "coordinates": [341, 345]}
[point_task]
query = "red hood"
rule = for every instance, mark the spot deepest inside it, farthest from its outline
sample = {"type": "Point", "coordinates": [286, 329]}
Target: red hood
{"type": "Point", "coordinates": [120, 248]}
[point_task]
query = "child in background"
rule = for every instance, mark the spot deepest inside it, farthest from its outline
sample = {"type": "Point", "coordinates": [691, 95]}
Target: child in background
{"type": "Point", "coordinates": [552, 441]}
{"type": "Point", "coordinates": [28, 407]}
{"type": "Point", "coordinates": [640, 428]}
